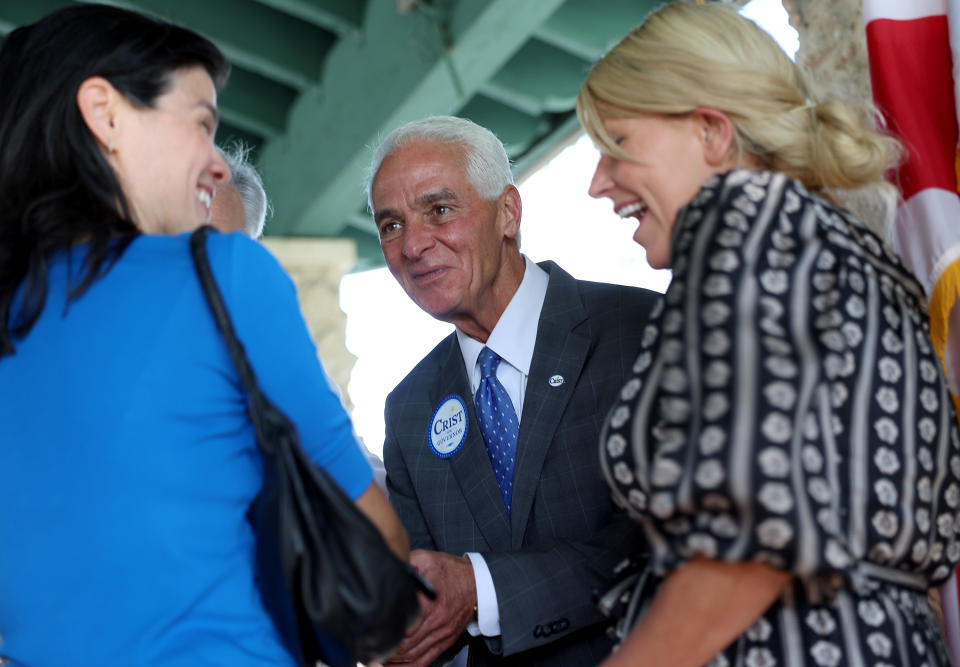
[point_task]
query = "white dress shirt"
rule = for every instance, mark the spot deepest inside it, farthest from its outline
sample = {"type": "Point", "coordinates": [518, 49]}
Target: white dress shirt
{"type": "Point", "coordinates": [513, 339]}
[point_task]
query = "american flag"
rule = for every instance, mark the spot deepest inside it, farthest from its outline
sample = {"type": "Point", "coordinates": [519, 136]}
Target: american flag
{"type": "Point", "coordinates": [914, 66]}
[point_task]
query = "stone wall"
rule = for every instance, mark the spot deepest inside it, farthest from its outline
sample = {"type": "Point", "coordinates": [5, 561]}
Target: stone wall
{"type": "Point", "coordinates": [316, 266]}
{"type": "Point", "coordinates": [833, 45]}
{"type": "Point", "coordinates": [833, 51]}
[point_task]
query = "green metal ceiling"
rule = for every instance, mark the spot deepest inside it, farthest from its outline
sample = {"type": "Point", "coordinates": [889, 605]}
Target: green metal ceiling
{"type": "Point", "coordinates": [316, 83]}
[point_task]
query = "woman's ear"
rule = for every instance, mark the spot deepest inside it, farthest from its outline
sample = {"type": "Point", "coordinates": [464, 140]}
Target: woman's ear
{"type": "Point", "coordinates": [716, 133]}
{"type": "Point", "coordinates": [98, 102]}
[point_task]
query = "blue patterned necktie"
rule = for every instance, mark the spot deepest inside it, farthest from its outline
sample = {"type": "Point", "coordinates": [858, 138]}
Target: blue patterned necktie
{"type": "Point", "coordinates": [498, 422]}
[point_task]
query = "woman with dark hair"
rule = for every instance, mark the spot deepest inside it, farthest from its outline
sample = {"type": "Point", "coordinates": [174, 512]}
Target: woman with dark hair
{"type": "Point", "coordinates": [127, 457]}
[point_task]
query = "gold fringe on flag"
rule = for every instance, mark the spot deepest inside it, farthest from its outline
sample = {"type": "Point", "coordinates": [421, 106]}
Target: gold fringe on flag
{"type": "Point", "coordinates": [946, 293]}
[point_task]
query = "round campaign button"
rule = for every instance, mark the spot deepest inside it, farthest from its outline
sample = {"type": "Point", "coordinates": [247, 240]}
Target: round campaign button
{"type": "Point", "coordinates": [448, 427]}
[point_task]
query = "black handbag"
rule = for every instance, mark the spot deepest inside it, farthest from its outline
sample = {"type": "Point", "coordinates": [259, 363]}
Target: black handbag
{"type": "Point", "coordinates": [333, 588]}
{"type": "Point", "coordinates": [627, 600]}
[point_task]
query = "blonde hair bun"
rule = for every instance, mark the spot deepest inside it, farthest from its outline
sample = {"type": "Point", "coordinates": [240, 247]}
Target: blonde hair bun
{"type": "Point", "coordinates": [685, 56]}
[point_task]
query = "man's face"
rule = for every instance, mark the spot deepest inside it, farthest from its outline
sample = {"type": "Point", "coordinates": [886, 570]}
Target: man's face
{"type": "Point", "coordinates": [443, 243]}
{"type": "Point", "coordinates": [226, 210]}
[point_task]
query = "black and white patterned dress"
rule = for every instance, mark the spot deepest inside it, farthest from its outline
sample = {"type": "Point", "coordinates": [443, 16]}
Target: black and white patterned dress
{"type": "Point", "coordinates": [787, 407]}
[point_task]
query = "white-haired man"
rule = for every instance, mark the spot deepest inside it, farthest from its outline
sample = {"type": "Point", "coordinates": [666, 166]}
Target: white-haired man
{"type": "Point", "coordinates": [491, 444]}
{"type": "Point", "coordinates": [240, 204]}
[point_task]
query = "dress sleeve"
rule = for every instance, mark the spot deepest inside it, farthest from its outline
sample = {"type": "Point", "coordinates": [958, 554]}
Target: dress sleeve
{"type": "Point", "coordinates": [737, 437]}
{"type": "Point", "coordinates": [262, 301]}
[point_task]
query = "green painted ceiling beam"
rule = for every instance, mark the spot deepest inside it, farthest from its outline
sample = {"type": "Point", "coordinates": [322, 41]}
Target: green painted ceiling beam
{"type": "Point", "coordinates": [394, 70]}
{"type": "Point", "coordinates": [521, 102]}
{"type": "Point", "coordinates": [513, 128]}
{"type": "Point", "coordinates": [254, 36]}
{"type": "Point", "coordinates": [15, 14]}
{"type": "Point", "coordinates": [339, 16]}
{"type": "Point", "coordinates": [587, 28]}
{"type": "Point", "coordinates": [228, 135]}
{"type": "Point", "coordinates": [539, 78]}
{"type": "Point", "coordinates": [255, 102]}
{"type": "Point", "coordinates": [562, 135]}
{"type": "Point", "coordinates": [239, 118]}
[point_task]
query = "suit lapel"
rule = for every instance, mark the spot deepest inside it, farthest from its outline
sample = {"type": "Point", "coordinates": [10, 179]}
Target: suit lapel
{"type": "Point", "coordinates": [471, 465]}
{"type": "Point", "coordinates": [558, 351]}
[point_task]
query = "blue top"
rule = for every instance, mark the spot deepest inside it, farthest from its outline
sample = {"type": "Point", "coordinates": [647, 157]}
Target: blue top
{"type": "Point", "coordinates": [128, 461]}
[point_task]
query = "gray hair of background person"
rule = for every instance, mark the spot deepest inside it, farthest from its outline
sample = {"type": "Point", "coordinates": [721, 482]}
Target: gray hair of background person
{"type": "Point", "coordinates": [245, 178]}
{"type": "Point", "coordinates": [487, 164]}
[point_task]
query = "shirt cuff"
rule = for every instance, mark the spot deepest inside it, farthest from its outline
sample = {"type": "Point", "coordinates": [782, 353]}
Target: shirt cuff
{"type": "Point", "coordinates": [488, 613]}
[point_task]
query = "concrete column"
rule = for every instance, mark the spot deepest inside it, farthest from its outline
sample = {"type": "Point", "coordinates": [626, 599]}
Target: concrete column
{"type": "Point", "coordinates": [316, 266]}
{"type": "Point", "coordinates": [833, 50]}
{"type": "Point", "coordinates": [833, 45]}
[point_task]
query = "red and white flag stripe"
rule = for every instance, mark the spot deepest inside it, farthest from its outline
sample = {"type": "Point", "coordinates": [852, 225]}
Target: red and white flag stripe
{"type": "Point", "coordinates": [914, 67]}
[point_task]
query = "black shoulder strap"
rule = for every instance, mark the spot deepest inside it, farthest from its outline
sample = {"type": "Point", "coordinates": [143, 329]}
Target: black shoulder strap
{"type": "Point", "coordinates": [201, 261]}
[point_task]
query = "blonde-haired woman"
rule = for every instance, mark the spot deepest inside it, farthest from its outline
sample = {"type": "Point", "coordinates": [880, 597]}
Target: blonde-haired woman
{"type": "Point", "coordinates": [787, 443]}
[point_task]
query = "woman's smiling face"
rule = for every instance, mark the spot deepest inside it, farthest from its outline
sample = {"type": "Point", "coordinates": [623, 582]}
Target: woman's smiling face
{"type": "Point", "coordinates": [670, 163]}
{"type": "Point", "coordinates": [165, 157]}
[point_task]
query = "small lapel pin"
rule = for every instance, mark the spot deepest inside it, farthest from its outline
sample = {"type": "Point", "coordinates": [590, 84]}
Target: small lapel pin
{"type": "Point", "coordinates": [555, 380]}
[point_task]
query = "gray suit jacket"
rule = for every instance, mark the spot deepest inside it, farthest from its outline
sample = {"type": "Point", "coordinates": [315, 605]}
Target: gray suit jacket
{"type": "Point", "coordinates": [564, 536]}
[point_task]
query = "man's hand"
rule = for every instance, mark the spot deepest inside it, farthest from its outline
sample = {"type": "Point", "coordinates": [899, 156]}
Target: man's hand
{"type": "Point", "coordinates": [445, 618]}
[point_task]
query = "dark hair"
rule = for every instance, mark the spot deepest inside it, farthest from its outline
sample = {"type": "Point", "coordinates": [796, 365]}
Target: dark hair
{"type": "Point", "coordinates": [56, 187]}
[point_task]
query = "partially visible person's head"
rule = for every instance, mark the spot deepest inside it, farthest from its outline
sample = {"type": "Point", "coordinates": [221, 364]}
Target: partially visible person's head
{"type": "Point", "coordinates": [708, 65]}
{"type": "Point", "coordinates": [448, 216]}
{"type": "Point", "coordinates": [240, 205]}
{"type": "Point", "coordinates": [106, 122]}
